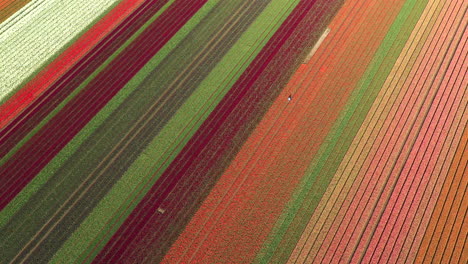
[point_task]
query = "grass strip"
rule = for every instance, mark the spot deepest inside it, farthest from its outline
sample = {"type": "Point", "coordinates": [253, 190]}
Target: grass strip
{"type": "Point", "coordinates": [164, 148]}
{"type": "Point", "coordinates": [340, 135]}
{"type": "Point", "coordinates": [78, 89]}
{"type": "Point", "coordinates": [73, 145]}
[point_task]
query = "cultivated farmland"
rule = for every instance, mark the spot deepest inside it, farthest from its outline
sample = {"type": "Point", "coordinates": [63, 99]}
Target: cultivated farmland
{"type": "Point", "coordinates": [211, 131]}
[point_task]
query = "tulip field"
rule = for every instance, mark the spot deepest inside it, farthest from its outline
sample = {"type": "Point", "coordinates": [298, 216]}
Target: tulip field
{"type": "Point", "coordinates": [233, 131]}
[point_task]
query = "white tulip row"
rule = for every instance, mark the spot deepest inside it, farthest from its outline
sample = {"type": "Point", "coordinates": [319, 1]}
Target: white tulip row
{"type": "Point", "coordinates": [38, 31]}
{"type": "Point", "coordinates": [21, 16]}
